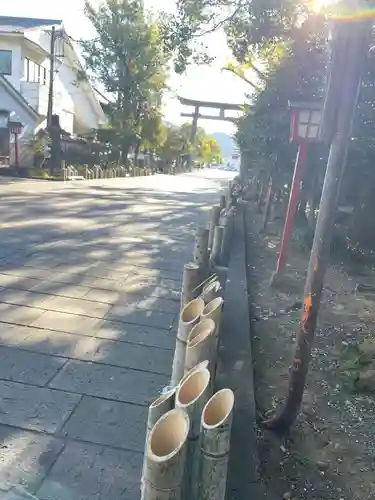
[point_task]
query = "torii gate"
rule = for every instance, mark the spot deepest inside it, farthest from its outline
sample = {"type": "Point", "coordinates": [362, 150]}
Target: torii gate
{"type": "Point", "coordinates": [221, 106]}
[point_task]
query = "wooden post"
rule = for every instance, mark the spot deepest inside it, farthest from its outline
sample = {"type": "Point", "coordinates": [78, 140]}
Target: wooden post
{"type": "Point", "coordinates": [291, 211]}
{"type": "Point", "coordinates": [165, 457]}
{"type": "Point", "coordinates": [16, 151]}
{"type": "Point", "coordinates": [216, 429]}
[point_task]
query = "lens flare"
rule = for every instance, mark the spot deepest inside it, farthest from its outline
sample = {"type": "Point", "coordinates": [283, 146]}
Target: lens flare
{"type": "Point", "coordinates": [345, 10]}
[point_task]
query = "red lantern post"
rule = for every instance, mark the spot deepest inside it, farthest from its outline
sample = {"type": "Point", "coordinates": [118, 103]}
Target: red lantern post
{"type": "Point", "coordinates": [304, 128]}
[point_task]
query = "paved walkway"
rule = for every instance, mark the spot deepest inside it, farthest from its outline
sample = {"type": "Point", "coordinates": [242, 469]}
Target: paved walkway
{"type": "Point", "coordinates": [89, 295]}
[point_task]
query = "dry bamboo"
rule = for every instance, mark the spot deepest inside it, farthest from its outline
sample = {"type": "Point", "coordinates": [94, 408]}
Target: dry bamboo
{"type": "Point", "coordinates": [200, 366]}
{"type": "Point", "coordinates": [190, 283]}
{"type": "Point", "coordinates": [189, 317]}
{"type": "Point", "coordinates": [158, 408]}
{"type": "Point", "coordinates": [222, 201]}
{"type": "Point", "coordinates": [210, 291]}
{"type": "Point", "coordinates": [215, 434]}
{"type": "Point", "coordinates": [213, 311]}
{"type": "Point", "coordinates": [215, 217]}
{"type": "Point", "coordinates": [192, 395]}
{"type": "Point", "coordinates": [201, 251]}
{"type": "Point", "coordinates": [165, 457]}
{"type": "Point", "coordinates": [216, 246]}
{"type": "Point", "coordinates": [201, 344]}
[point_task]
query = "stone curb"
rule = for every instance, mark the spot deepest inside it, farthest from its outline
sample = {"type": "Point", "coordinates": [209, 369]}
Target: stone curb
{"type": "Point", "coordinates": [235, 370]}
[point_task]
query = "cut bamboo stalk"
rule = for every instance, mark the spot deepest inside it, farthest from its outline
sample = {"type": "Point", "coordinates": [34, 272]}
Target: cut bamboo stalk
{"type": "Point", "coordinates": [157, 409]}
{"type": "Point", "coordinates": [213, 311]}
{"type": "Point", "coordinates": [190, 283]}
{"type": "Point", "coordinates": [222, 201]}
{"type": "Point", "coordinates": [216, 246]}
{"type": "Point", "coordinates": [200, 366]}
{"type": "Point", "coordinates": [210, 291]}
{"type": "Point", "coordinates": [189, 317]}
{"type": "Point", "coordinates": [201, 254]}
{"type": "Point", "coordinates": [215, 434]}
{"type": "Point", "coordinates": [201, 343]}
{"type": "Point", "coordinates": [191, 397]}
{"type": "Point", "coordinates": [215, 217]}
{"type": "Point", "coordinates": [225, 245]}
{"type": "Point", "coordinates": [165, 457]}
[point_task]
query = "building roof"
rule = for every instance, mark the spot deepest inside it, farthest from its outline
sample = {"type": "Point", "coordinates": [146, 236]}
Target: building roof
{"type": "Point", "coordinates": [27, 22]}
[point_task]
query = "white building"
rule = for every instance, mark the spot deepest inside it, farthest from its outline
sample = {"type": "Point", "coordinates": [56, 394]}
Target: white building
{"type": "Point", "coordinates": [24, 80]}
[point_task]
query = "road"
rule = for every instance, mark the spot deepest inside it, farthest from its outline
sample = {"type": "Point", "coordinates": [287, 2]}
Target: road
{"type": "Point", "coordinates": [90, 274]}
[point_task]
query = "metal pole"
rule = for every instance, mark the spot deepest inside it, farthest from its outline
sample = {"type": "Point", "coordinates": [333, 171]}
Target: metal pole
{"type": "Point", "coordinates": [51, 72]}
{"type": "Point", "coordinates": [353, 46]}
{"type": "Point", "coordinates": [291, 211]}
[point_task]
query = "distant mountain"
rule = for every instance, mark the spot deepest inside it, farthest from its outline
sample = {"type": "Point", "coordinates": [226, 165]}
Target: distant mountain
{"type": "Point", "coordinates": [226, 143]}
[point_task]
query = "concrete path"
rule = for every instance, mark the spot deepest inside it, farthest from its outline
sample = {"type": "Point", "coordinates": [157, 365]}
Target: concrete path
{"type": "Point", "coordinates": [89, 295]}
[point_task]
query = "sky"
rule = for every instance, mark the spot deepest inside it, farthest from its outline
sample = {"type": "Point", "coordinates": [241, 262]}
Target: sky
{"type": "Point", "coordinates": [204, 82]}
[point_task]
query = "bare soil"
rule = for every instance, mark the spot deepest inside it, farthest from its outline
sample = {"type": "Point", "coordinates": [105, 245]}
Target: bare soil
{"type": "Point", "coordinates": [329, 454]}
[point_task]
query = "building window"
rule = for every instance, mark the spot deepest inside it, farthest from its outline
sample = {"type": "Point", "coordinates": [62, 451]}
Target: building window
{"type": "Point", "coordinates": [5, 62]}
{"type": "Point", "coordinates": [34, 72]}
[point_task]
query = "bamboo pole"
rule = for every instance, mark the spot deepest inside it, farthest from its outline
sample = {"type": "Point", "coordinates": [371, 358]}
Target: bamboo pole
{"type": "Point", "coordinates": [203, 365]}
{"type": "Point", "coordinates": [213, 311]}
{"type": "Point", "coordinates": [216, 246]}
{"type": "Point", "coordinates": [201, 251]}
{"type": "Point", "coordinates": [165, 457]}
{"type": "Point", "coordinates": [190, 283]}
{"type": "Point", "coordinates": [191, 397]}
{"type": "Point", "coordinates": [215, 434]}
{"type": "Point", "coordinates": [201, 344]}
{"type": "Point", "coordinates": [189, 317]}
{"type": "Point", "coordinates": [210, 291]}
{"type": "Point", "coordinates": [157, 409]}
{"type": "Point", "coordinates": [215, 217]}
{"type": "Point", "coordinates": [222, 201]}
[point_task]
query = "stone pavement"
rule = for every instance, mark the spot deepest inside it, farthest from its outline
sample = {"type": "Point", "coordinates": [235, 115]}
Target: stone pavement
{"type": "Point", "coordinates": [89, 296]}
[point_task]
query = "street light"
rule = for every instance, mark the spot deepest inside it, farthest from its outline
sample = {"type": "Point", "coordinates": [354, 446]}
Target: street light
{"type": "Point", "coordinates": [305, 118]}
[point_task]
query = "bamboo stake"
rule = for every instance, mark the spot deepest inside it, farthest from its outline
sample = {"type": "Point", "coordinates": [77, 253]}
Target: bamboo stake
{"type": "Point", "coordinates": [222, 201]}
{"type": "Point", "coordinates": [210, 291]}
{"type": "Point", "coordinates": [203, 365]}
{"type": "Point", "coordinates": [215, 434]}
{"type": "Point", "coordinates": [190, 283]}
{"type": "Point", "coordinates": [191, 397]}
{"type": "Point", "coordinates": [201, 251]}
{"type": "Point", "coordinates": [158, 408]}
{"type": "Point", "coordinates": [201, 344]}
{"type": "Point", "coordinates": [165, 457]}
{"type": "Point", "coordinates": [213, 311]}
{"type": "Point", "coordinates": [216, 246]}
{"type": "Point", "coordinates": [215, 217]}
{"type": "Point", "coordinates": [189, 317]}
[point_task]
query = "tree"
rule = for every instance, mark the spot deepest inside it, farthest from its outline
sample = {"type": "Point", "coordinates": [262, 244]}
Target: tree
{"type": "Point", "coordinates": [127, 57]}
{"type": "Point", "coordinates": [254, 28]}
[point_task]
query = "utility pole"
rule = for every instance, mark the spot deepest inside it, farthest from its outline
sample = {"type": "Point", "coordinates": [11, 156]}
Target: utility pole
{"type": "Point", "coordinates": [350, 45]}
{"type": "Point", "coordinates": [51, 76]}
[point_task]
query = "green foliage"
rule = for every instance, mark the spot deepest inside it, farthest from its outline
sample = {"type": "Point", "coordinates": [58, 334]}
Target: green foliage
{"type": "Point", "coordinates": [296, 76]}
{"type": "Point", "coordinates": [127, 57]}
{"type": "Point", "coordinates": [177, 145]}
